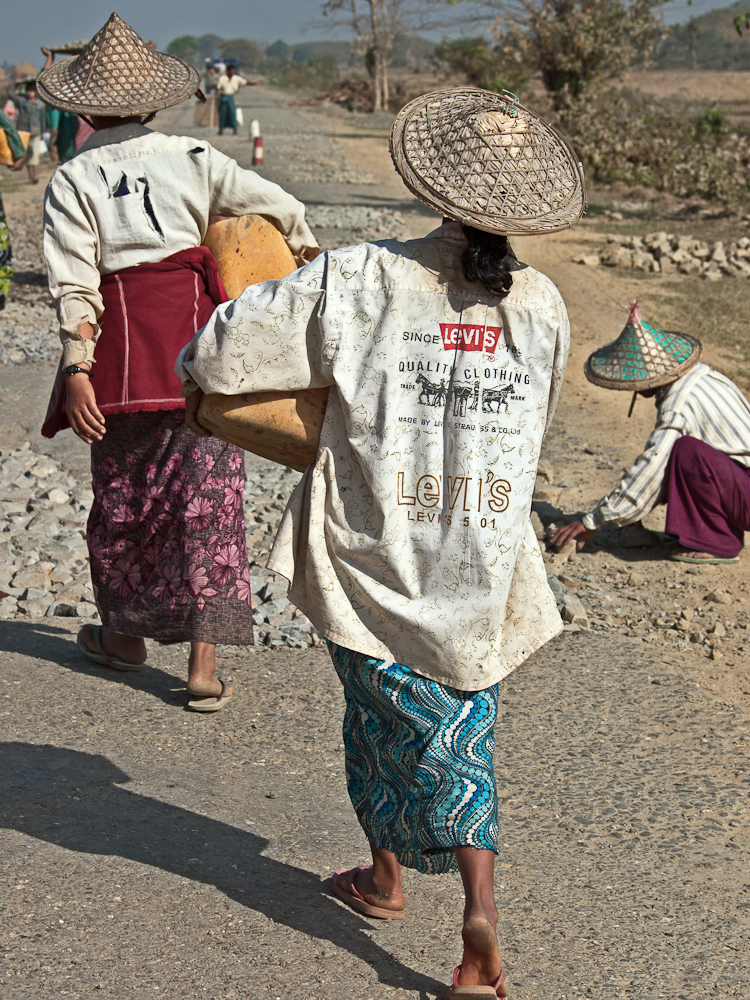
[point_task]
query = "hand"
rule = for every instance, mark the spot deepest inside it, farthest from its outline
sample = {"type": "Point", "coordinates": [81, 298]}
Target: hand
{"type": "Point", "coordinates": [46, 51]}
{"type": "Point", "coordinates": [19, 164]}
{"type": "Point", "coordinates": [192, 402]}
{"type": "Point", "coordinates": [575, 529]}
{"type": "Point", "coordinates": [83, 413]}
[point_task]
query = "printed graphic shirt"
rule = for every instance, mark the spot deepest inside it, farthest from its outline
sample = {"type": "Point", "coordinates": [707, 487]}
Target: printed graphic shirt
{"type": "Point", "coordinates": [704, 404]}
{"type": "Point", "coordinates": [409, 539]}
{"type": "Point", "coordinates": [134, 196]}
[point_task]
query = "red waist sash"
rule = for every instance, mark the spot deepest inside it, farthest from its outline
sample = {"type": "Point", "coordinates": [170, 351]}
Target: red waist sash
{"type": "Point", "coordinates": [150, 312]}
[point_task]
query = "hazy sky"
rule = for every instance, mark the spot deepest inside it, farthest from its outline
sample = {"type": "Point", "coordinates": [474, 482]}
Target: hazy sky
{"type": "Point", "coordinates": [24, 26]}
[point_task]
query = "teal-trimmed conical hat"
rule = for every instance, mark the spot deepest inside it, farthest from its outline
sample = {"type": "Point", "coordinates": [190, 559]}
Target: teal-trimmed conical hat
{"type": "Point", "coordinates": [642, 357]}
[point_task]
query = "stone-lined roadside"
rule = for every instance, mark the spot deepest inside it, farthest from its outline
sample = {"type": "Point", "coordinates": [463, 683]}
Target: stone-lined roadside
{"type": "Point", "coordinates": [665, 253]}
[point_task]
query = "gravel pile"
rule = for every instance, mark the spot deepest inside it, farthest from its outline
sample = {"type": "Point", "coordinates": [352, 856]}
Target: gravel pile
{"type": "Point", "coordinates": [28, 333]}
{"type": "Point", "coordinates": [44, 567]}
{"type": "Point", "coordinates": [664, 253]}
{"type": "Point", "coordinates": [362, 220]}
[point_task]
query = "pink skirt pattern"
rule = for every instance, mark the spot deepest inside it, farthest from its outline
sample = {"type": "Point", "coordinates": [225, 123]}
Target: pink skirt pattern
{"type": "Point", "coordinates": [166, 533]}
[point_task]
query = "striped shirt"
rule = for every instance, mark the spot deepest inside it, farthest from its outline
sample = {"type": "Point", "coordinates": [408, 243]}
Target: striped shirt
{"type": "Point", "coordinates": [705, 405]}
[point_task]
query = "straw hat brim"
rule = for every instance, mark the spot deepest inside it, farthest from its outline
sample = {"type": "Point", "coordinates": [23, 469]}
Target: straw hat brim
{"type": "Point", "coordinates": [524, 184]}
{"type": "Point", "coordinates": [174, 82]}
{"type": "Point", "coordinates": [637, 385]}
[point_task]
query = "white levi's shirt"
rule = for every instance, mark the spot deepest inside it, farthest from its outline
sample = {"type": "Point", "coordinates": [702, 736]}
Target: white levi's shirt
{"type": "Point", "coordinates": [409, 539]}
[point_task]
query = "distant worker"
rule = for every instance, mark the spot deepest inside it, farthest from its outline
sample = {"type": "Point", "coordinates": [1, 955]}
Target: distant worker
{"type": "Point", "coordinates": [697, 459]}
{"type": "Point", "coordinates": [32, 118]}
{"type": "Point", "coordinates": [18, 156]}
{"type": "Point", "coordinates": [228, 85]}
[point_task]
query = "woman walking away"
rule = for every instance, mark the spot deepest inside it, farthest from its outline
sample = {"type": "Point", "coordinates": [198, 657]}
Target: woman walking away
{"type": "Point", "coordinates": [18, 155]}
{"type": "Point", "coordinates": [408, 542]}
{"type": "Point", "coordinates": [124, 220]}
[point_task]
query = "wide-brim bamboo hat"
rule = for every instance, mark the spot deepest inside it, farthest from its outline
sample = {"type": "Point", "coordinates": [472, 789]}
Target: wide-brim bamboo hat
{"type": "Point", "coordinates": [643, 356]}
{"type": "Point", "coordinates": [486, 160]}
{"type": "Point", "coordinates": [117, 75]}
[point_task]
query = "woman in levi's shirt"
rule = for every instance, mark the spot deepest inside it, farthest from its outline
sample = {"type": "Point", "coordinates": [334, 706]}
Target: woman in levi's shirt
{"type": "Point", "coordinates": [166, 533]}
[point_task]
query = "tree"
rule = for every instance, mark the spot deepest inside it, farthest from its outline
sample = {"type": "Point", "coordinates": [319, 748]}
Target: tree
{"type": "Point", "coordinates": [279, 50]}
{"type": "Point", "coordinates": [571, 43]}
{"type": "Point", "coordinates": [208, 46]}
{"type": "Point", "coordinates": [483, 65]}
{"type": "Point", "coordinates": [375, 25]}
{"type": "Point", "coordinates": [185, 47]}
{"type": "Point", "coordinates": [247, 52]}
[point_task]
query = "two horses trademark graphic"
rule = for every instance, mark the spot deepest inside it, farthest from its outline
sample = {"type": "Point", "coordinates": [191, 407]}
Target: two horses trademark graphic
{"type": "Point", "coordinates": [464, 397]}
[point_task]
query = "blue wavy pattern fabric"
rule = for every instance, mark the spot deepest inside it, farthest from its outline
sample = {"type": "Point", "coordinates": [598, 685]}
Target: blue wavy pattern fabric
{"type": "Point", "coordinates": [418, 761]}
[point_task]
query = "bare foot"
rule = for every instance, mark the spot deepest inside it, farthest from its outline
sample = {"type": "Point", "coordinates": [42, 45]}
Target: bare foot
{"type": "Point", "coordinates": [481, 964]}
{"type": "Point", "coordinates": [125, 647]}
{"type": "Point", "coordinates": [388, 896]}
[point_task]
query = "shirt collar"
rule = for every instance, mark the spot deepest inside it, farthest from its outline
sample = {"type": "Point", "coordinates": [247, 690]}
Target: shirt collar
{"type": "Point", "coordinates": [110, 136]}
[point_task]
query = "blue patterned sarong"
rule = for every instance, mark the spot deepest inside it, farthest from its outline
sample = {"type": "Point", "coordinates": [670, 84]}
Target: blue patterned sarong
{"type": "Point", "coordinates": [418, 761]}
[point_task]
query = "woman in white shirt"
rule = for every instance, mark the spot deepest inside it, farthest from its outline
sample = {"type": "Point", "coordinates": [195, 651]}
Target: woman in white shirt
{"type": "Point", "coordinates": [124, 221]}
{"type": "Point", "coordinates": [408, 541]}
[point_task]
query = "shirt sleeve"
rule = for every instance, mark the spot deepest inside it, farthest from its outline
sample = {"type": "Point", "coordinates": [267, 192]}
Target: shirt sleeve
{"type": "Point", "coordinates": [642, 486]}
{"type": "Point", "coordinates": [235, 192]}
{"type": "Point", "coordinates": [14, 139]}
{"type": "Point", "coordinates": [269, 339]}
{"type": "Point", "coordinates": [71, 252]}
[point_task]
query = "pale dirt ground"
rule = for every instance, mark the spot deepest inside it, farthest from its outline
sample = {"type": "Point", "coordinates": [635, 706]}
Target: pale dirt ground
{"type": "Point", "coordinates": [149, 852]}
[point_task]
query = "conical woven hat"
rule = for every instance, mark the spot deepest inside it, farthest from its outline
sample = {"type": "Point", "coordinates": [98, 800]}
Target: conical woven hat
{"type": "Point", "coordinates": [488, 161]}
{"type": "Point", "coordinates": [642, 357]}
{"type": "Point", "coordinates": [117, 75]}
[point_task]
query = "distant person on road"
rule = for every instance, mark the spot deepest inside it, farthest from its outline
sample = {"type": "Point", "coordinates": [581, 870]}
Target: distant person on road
{"type": "Point", "coordinates": [228, 85]}
{"type": "Point", "coordinates": [18, 155]}
{"type": "Point", "coordinates": [31, 119]}
{"type": "Point", "coordinates": [123, 225]}
{"type": "Point", "coordinates": [408, 542]}
{"type": "Point", "coordinates": [697, 459]}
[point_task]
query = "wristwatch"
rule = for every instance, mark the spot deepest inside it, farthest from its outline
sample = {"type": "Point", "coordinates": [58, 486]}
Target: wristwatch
{"type": "Point", "coordinates": [75, 369]}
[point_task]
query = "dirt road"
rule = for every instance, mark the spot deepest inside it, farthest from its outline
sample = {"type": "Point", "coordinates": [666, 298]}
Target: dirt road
{"type": "Point", "coordinates": [151, 852]}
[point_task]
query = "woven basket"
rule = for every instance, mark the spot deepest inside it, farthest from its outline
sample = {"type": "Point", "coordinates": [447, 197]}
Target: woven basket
{"type": "Point", "coordinates": [486, 160]}
{"type": "Point", "coordinates": [283, 427]}
{"type": "Point", "coordinates": [643, 357]}
{"type": "Point", "coordinates": [117, 75]}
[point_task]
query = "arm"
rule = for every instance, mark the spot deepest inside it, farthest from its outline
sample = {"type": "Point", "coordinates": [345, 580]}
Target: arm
{"type": "Point", "coordinates": [269, 339]}
{"type": "Point", "coordinates": [71, 252]}
{"type": "Point", "coordinates": [235, 192]}
{"type": "Point", "coordinates": [639, 491]}
{"type": "Point", "coordinates": [562, 348]}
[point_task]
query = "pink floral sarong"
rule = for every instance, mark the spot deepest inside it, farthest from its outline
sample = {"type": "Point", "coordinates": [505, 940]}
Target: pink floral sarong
{"type": "Point", "coordinates": [166, 533]}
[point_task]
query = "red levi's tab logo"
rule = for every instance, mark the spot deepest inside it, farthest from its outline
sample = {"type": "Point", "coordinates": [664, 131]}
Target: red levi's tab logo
{"type": "Point", "coordinates": [466, 337]}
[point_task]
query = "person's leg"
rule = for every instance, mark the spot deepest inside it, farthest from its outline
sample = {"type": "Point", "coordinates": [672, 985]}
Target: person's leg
{"type": "Point", "coordinates": [481, 964]}
{"type": "Point", "coordinates": [708, 499]}
{"type": "Point", "coordinates": [125, 647]}
{"type": "Point", "coordinates": [202, 681]}
{"type": "Point", "coordinates": [382, 885]}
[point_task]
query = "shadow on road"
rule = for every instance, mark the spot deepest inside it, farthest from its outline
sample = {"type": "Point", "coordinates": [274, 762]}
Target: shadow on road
{"type": "Point", "coordinates": [45, 641]}
{"type": "Point", "coordinates": [37, 789]}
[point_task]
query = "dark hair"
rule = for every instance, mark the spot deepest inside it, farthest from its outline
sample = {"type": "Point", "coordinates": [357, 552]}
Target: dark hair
{"type": "Point", "coordinates": [487, 259]}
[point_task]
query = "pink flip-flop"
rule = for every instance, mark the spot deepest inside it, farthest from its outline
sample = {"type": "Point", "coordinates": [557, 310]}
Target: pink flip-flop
{"type": "Point", "coordinates": [474, 992]}
{"type": "Point", "coordinates": [345, 890]}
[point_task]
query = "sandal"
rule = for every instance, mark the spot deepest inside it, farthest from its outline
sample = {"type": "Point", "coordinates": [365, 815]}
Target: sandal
{"type": "Point", "coordinates": [102, 658]}
{"type": "Point", "coordinates": [348, 893]}
{"type": "Point", "coordinates": [474, 992]}
{"type": "Point", "coordinates": [211, 702]}
{"type": "Point", "coordinates": [697, 561]}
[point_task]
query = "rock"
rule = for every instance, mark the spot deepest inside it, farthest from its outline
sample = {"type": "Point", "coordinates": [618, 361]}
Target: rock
{"type": "Point", "coordinates": [589, 259]}
{"type": "Point", "coordinates": [574, 613]}
{"type": "Point", "coordinates": [62, 609]}
{"type": "Point", "coordinates": [635, 580]}
{"type": "Point", "coordinates": [58, 496]}
{"type": "Point", "coordinates": [687, 614]}
{"type": "Point", "coordinates": [718, 630]}
{"type": "Point", "coordinates": [616, 257]}
{"type": "Point", "coordinates": [697, 637]}
{"type": "Point", "coordinates": [718, 597]}
{"type": "Point", "coordinates": [31, 577]}
{"type": "Point", "coordinates": [567, 581]}
{"type": "Point", "coordinates": [713, 274]}
{"type": "Point", "coordinates": [545, 494]}
{"type": "Point", "coordinates": [8, 608]}
{"type": "Point", "coordinates": [86, 610]}
{"type": "Point", "coordinates": [36, 607]}
{"type": "Point", "coordinates": [715, 654]}
{"type": "Point", "coordinates": [536, 524]}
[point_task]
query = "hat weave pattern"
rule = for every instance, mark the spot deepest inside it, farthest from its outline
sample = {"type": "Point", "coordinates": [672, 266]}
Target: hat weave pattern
{"type": "Point", "coordinates": [642, 357]}
{"type": "Point", "coordinates": [488, 161]}
{"type": "Point", "coordinates": [117, 75]}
